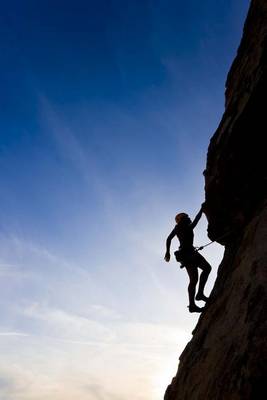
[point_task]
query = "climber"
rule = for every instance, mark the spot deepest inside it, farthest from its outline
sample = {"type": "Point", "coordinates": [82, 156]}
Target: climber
{"type": "Point", "coordinates": [189, 257]}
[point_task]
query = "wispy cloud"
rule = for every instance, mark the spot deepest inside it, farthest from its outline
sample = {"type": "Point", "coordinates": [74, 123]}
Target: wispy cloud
{"type": "Point", "coordinates": [73, 349]}
{"type": "Point", "coordinates": [71, 149]}
{"type": "Point", "coordinates": [13, 334]}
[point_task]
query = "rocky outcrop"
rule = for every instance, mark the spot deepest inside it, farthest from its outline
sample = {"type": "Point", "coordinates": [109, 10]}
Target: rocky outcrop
{"type": "Point", "coordinates": [227, 356]}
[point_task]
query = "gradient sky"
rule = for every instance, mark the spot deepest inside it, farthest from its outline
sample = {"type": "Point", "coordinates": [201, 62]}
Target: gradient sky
{"type": "Point", "coordinates": [106, 112]}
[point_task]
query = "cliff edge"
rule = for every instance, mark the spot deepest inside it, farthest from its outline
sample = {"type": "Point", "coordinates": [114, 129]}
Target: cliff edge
{"type": "Point", "coordinates": [227, 356]}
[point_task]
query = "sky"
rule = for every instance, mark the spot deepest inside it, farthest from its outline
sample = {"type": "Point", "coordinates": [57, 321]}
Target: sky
{"type": "Point", "coordinates": [106, 112]}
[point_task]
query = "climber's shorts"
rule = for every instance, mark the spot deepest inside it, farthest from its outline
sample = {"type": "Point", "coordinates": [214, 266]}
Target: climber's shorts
{"type": "Point", "coordinates": [187, 256]}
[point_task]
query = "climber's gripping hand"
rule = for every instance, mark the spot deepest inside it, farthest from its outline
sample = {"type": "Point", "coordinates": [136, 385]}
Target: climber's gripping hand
{"type": "Point", "coordinates": [167, 257]}
{"type": "Point", "coordinates": [203, 206]}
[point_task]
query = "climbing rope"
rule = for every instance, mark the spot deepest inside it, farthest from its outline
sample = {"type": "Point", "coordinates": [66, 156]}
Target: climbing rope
{"type": "Point", "coordinates": [215, 240]}
{"type": "Point", "coordinates": [205, 245]}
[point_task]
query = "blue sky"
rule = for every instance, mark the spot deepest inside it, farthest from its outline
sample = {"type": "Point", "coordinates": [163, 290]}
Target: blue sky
{"type": "Point", "coordinates": [106, 112]}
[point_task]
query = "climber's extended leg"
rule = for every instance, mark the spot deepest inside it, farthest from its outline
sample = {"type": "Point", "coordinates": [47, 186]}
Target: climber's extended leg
{"type": "Point", "coordinates": [193, 278]}
{"type": "Point", "coordinates": [206, 268]}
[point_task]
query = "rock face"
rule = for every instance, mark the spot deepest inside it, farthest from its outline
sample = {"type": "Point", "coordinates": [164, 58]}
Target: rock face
{"type": "Point", "coordinates": [227, 356]}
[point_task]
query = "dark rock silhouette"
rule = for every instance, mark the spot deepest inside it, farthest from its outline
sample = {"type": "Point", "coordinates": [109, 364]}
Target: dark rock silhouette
{"type": "Point", "coordinates": [227, 356]}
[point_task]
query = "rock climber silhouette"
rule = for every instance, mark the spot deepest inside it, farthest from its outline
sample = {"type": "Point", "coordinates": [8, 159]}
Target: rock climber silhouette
{"type": "Point", "coordinates": [189, 257]}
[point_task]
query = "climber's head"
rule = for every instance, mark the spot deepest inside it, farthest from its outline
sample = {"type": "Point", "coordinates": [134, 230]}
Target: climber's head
{"type": "Point", "coordinates": [182, 218]}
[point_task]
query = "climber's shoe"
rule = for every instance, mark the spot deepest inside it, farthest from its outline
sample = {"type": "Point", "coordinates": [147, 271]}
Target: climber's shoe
{"type": "Point", "coordinates": [195, 308]}
{"type": "Point", "coordinates": [202, 297]}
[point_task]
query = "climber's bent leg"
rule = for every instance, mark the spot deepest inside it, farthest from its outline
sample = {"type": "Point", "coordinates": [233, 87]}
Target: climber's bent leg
{"type": "Point", "coordinates": [206, 269]}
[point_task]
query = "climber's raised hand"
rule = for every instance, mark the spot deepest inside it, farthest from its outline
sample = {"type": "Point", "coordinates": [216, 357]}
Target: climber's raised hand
{"type": "Point", "coordinates": [203, 206]}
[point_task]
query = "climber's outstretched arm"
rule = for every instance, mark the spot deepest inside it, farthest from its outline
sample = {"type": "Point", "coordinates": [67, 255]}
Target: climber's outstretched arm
{"type": "Point", "coordinates": [197, 218]}
{"type": "Point", "coordinates": [168, 245]}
